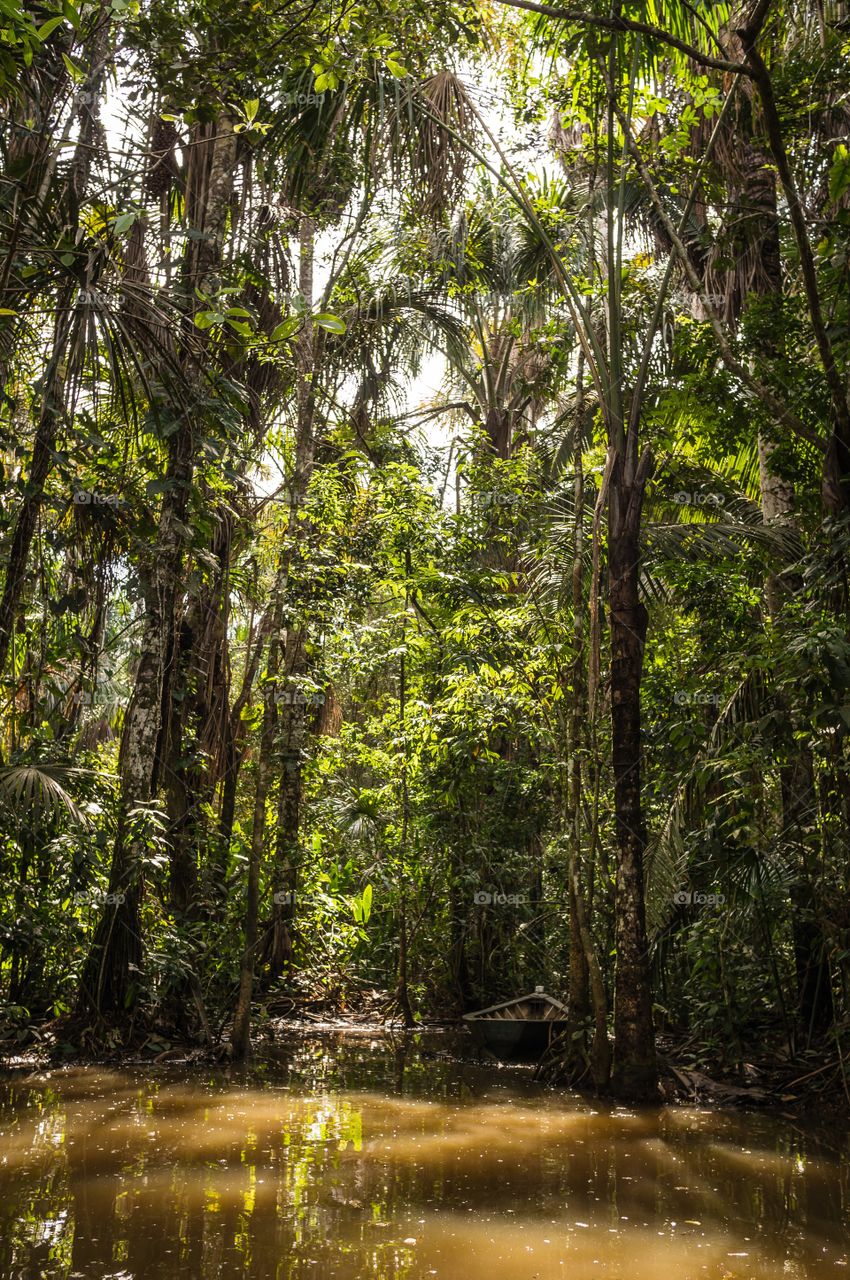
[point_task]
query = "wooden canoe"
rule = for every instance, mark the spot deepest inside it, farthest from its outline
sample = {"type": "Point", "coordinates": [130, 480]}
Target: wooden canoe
{"type": "Point", "coordinates": [521, 1028]}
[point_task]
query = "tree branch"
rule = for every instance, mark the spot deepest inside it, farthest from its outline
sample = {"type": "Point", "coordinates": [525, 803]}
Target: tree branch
{"type": "Point", "coordinates": [733, 364]}
{"type": "Point", "coordinates": [629, 24]}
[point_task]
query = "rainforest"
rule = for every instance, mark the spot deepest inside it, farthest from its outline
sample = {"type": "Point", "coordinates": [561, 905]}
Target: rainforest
{"type": "Point", "coordinates": [424, 535]}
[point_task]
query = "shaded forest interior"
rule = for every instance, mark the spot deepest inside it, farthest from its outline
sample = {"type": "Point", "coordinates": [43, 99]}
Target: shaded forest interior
{"type": "Point", "coordinates": [424, 486]}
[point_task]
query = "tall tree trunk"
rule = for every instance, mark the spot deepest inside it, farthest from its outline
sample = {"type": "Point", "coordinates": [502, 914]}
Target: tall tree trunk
{"type": "Point", "coordinates": [108, 985]}
{"type": "Point", "coordinates": [635, 1072]}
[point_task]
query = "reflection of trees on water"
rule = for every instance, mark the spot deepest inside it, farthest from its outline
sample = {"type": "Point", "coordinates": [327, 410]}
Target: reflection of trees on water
{"type": "Point", "coordinates": [126, 1177]}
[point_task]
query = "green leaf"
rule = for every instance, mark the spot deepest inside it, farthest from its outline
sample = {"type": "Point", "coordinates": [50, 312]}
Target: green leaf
{"type": "Point", "coordinates": [76, 73]}
{"type": "Point", "coordinates": [284, 330]}
{"type": "Point", "coordinates": [206, 319]}
{"type": "Point", "coordinates": [330, 322]}
{"type": "Point", "coordinates": [839, 173]}
{"type": "Point", "coordinates": [47, 28]}
{"type": "Point", "coordinates": [124, 222]}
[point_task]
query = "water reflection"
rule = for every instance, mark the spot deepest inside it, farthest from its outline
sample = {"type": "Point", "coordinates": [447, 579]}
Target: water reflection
{"type": "Point", "coordinates": [340, 1161]}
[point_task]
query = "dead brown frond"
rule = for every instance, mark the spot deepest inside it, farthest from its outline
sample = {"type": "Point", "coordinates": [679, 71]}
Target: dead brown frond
{"type": "Point", "coordinates": [430, 133]}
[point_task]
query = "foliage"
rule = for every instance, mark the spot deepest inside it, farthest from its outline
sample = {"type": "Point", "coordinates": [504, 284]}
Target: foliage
{"type": "Point", "coordinates": [372, 637]}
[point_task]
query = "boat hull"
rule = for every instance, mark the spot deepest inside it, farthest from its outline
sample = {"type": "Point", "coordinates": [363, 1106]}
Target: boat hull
{"type": "Point", "coordinates": [515, 1039]}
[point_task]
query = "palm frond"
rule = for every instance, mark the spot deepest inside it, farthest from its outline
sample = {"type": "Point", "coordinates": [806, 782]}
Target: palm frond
{"type": "Point", "coordinates": [667, 852]}
{"type": "Point", "coordinates": [35, 793]}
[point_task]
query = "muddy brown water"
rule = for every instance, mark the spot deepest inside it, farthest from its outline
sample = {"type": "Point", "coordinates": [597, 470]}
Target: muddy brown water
{"type": "Point", "coordinates": [350, 1157]}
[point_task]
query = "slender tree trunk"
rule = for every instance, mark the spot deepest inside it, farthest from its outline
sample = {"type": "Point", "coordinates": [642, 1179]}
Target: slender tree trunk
{"type": "Point", "coordinates": [240, 1039]}
{"type": "Point", "coordinates": [292, 708]}
{"type": "Point", "coordinates": [268, 761]}
{"type": "Point", "coordinates": [579, 990]}
{"type": "Point", "coordinates": [402, 993]}
{"type": "Point", "coordinates": [304, 454]}
{"type": "Point", "coordinates": [587, 987]}
{"type": "Point", "coordinates": [579, 978]}
{"type": "Point", "coordinates": [458, 930]}
{"type": "Point", "coordinates": [293, 721]}
{"type": "Point", "coordinates": [234, 735]}
{"type": "Point", "coordinates": [811, 964]}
